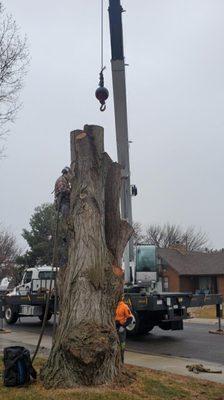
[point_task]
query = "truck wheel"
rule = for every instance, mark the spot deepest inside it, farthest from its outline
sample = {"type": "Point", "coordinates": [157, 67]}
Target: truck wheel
{"type": "Point", "coordinates": [145, 328]}
{"type": "Point", "coordinates": [10, 315]}
{"type": "Point", "coordinates": [41, 317]}
{"type": "Point", "coordinates": [139, 326]}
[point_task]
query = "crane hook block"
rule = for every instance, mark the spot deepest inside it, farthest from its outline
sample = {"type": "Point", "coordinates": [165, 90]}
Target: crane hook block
{"type": "Point", "coordinates": [102, 93]}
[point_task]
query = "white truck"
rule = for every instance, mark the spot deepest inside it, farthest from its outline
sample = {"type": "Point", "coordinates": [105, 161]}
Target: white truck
{"type": "Point", "coordinates": [35, 280]}
{"type": "Point", "coordinates": [28, 299]}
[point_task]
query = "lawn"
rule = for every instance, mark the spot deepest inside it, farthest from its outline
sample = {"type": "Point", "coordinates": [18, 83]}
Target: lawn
{"type": "Point", "coordinates": [147, 384]}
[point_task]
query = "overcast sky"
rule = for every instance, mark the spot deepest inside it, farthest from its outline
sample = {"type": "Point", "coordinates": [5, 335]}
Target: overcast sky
{"type": "Point", "coordinates": [175, 87]}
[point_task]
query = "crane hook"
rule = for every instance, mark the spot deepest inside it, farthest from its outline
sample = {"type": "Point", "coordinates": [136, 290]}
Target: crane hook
{"type": "Point", "coordinates": [102, 93]}
{"type": "Point", "coordinates": [103, 107]}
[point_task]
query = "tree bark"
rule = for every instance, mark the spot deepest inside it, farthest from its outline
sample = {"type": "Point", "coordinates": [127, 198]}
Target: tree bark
{"type": "Point", "coordinates": [86, 349]}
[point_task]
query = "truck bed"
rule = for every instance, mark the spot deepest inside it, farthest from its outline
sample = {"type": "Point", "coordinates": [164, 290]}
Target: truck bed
{"type": "Point", "coordinates": [163, 301]}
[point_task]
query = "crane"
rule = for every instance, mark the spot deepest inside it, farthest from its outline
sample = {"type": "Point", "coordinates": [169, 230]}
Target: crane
{"type": "Point", "coordinates": [121, 119]}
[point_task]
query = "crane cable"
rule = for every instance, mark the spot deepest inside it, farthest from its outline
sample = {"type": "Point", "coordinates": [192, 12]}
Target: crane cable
{"type": "Point", "coordinates": [102, 36]}
{"type": "Point", "coordinates": [103, 107]}
{"type": "Point", "coordinates": [102, 93]}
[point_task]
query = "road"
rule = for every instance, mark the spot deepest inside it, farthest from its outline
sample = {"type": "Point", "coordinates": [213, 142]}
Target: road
{"type": "Point", "coordinates": [194, 342]}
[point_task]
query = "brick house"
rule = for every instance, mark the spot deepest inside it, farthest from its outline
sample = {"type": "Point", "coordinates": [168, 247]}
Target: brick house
{"type": "Point", "coordinates": [191, 272]}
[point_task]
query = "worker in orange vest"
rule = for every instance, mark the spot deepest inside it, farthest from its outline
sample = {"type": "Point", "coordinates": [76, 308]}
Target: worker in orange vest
{"type": "Point", "coordinates": [123, 318]}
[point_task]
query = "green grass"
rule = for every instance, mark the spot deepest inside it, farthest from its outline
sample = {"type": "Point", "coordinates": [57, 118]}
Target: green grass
{"type": "Point", "coordinates": [149, 385]}
{"type": "Point", "coordinates": [167, 390]}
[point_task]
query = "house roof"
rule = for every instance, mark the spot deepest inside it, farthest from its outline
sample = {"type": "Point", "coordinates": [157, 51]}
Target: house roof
{"type": "Point", "coordinates": [194, 263]}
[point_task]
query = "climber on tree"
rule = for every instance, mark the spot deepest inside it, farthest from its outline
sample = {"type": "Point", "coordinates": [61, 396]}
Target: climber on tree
{"type": "Point", "coordinates": [62, 191]}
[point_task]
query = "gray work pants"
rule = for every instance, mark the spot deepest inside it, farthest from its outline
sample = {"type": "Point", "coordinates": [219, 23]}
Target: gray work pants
{"type": "Point", "coordinates": [122, 340]}
{"type": "Point", "coordinates": [63, 204]}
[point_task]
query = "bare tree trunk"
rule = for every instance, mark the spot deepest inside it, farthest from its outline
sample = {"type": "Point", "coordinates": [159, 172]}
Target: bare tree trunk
{"type": "Point", "coordinates": [86, 350]}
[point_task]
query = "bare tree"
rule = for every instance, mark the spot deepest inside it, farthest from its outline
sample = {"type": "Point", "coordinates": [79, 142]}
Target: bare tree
{"type": "Point", "coordinates": [9, 251]}
{"type": "Point", "coordinates": [195, 240]}
{"type": "Point", "coordinates": [13, 62]}
{"type": "Point", "coordinates": [168, 235]}
{"type": "Point", "coordinates": [162, 236]}
{"type": "Point", "coordinates": [138, 236]}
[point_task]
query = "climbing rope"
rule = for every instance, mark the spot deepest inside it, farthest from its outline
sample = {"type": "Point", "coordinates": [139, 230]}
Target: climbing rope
{"type": "Point", "coordinates": [54, 265]}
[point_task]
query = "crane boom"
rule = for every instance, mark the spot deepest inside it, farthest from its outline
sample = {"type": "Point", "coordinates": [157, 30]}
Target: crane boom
{"type": "Point", "coordinates": [121, 119]}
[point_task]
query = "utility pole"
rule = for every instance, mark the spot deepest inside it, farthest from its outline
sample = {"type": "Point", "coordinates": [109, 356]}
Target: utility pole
{"type": "Point", "coordinates": [121, 119]}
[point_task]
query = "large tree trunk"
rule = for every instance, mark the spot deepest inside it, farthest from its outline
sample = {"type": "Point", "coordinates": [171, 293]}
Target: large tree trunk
{"type": "Point", "coordinates": [86, 349]}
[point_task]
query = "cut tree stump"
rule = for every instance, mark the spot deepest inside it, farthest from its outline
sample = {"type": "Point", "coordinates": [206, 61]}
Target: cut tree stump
{"type": "Point", "coordinates": [86, 348]}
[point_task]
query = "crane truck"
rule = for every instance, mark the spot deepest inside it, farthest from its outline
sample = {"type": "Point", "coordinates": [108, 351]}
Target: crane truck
{"type": "Point", "coordinates": [150, 305]}
{"type": "Point", "coordinates": [143, 291]}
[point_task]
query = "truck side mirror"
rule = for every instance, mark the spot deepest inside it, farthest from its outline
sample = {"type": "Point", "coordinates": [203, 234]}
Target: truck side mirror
{"type": "Point", "coordinates": [153, 285]}
{"type": "Point", "coordinates": [134, 190]}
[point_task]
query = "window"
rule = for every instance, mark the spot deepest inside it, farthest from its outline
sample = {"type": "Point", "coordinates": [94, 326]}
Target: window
{"type": "Point", "coordinates": [146, 259]}
{"type": "Point", "coordinates": [28, 277]}
{"type": "Point", "coordinates": [166, 283]}
{"type": "Point", "coordinates": [46, 275]}
{"type": "Point", "coordinates": [207, 284]}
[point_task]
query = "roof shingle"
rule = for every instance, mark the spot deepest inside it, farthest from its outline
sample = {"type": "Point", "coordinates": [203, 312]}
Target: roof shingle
{"type": "Point", "coordinates": [194, 263]}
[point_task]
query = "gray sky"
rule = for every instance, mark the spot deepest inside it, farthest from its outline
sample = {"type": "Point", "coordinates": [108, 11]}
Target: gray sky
{"type": "Point", "coordinates": [175, 86]}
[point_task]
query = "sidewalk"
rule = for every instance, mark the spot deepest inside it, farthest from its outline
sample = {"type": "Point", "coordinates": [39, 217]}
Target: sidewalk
{"type": "Point", "coordinates": [173, 365]}
{"type": "Point", "coordinates": [27, 339]}
{"type": "Point", "coordinates": [206, 321]}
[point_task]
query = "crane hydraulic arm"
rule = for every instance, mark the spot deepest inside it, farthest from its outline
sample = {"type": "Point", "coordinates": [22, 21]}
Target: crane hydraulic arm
{"type": "Point", "coordinates": [121, 119]}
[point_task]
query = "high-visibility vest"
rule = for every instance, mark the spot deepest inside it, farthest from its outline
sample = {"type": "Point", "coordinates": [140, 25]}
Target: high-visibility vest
{"type": "Point", "coordinates": [123, 312]}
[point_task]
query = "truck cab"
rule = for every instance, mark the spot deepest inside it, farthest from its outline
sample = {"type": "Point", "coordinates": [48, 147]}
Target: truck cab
{"type": "Point", "coordinates": [147, 268]}
{"type": "Point", "coordinates": [35, 280]}
{"type": "Point", "coordinates": [28, 299]}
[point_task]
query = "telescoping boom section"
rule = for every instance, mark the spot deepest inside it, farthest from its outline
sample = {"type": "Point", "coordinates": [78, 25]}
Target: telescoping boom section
{"type": "Point", "coordinates": [121, 119]}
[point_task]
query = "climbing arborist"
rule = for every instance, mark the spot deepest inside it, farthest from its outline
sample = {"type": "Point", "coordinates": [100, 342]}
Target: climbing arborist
{"type": "Point", "coordinates": [123, 318]}
{"type": "Point", "coordinates": [62, 191]}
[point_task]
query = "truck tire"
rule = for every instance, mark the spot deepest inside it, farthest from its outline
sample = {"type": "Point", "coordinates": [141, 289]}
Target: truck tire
{"type": "Point", "coordinates": [11, 315]}
{"type": "Point", "coordinates": [139, 326]}
{"type": "Point", "coordinates": [145, 328]}
{"type": "Point", "coordinates": [49, 315]}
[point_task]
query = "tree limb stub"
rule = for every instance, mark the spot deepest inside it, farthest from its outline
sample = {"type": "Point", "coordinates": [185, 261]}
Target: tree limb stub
{"type": "Point", "coordinates": [86, 349]}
